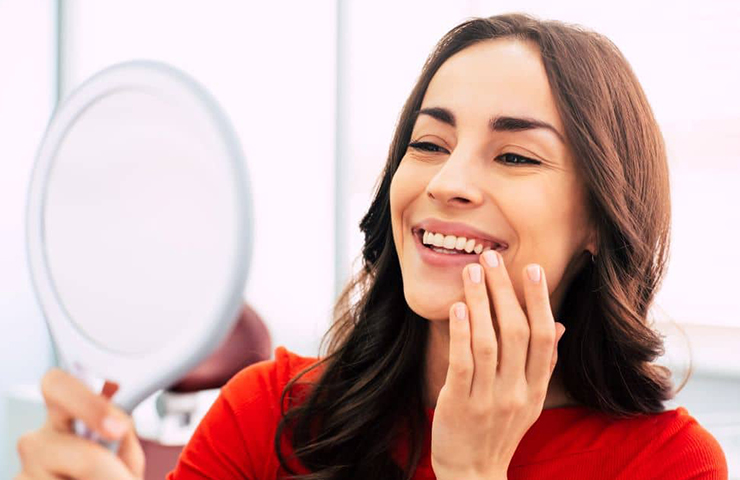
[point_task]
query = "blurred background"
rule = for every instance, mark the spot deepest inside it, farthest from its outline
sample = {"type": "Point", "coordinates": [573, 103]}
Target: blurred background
{"type": "Point", "coordinates": [314, 90]}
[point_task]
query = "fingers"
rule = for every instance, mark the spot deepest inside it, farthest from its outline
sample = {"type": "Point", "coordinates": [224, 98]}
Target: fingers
{"type": "Point", "coordinates": [68, 398]}
{"type": "Point", "coordinates": [524, 347]}
{"type": "Point", "coordinates": [66, 455]}
{"type": "Point", "coordinates": [483, 336]}
{"type": "Point", "coordinates": [541, 327]}
{"type": "Point", "coordinates": [130, 450]}
{"type": "Point", "coordinates": [54, 451]}
{"type": "Point", "coordinates": [460, 367]}
{"type": "Point", "coordinates": [132, 454]}
{"type": "Point", "coordinates": [24, 476]}
{"type": "Point", "coordinates": [513, 327]}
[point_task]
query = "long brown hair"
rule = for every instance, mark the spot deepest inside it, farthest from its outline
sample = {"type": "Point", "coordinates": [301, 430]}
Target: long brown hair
{"type": "Point", "coordinates": [371, 380]}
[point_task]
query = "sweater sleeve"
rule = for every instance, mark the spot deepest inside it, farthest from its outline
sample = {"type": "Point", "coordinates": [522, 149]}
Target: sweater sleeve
{"type": "Point", "coordinates": [234, 438]}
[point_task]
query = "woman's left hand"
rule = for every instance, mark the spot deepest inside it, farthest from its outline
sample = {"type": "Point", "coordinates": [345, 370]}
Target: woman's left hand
{"type": "Point", "coordinates": [497, 378]}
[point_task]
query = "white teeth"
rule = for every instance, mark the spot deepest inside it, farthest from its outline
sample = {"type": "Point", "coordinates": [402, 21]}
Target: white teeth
{"type": "Point", "coordinates": [438, 240]}
{"type": "Point", "coordinates": [452, 242]}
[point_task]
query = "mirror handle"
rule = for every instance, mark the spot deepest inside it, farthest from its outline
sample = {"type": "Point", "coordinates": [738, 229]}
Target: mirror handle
{"type": "Point", "coordinates": [96, 385]}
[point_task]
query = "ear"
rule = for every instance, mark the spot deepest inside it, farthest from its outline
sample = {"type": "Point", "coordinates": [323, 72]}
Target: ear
{"type": "Point", "coordinates": [592, 241]}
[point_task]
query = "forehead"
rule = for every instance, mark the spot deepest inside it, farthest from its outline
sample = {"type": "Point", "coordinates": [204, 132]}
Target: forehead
{"type": "Point", "coordinates": [494, 77]}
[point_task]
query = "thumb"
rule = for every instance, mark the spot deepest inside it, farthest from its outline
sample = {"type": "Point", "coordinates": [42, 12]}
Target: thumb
{"type": "Point", "coordinates": [129, 450]}
{"type": "Point", "coordinates": [131, 453]}
{"type": "Point", "coordinates": [559, 331]}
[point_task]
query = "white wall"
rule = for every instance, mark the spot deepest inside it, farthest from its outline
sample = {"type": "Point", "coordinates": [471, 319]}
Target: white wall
{"type": "Point", "coordinates": [271, 66]}
{"type": "Point", "coordinates": [27, 97]}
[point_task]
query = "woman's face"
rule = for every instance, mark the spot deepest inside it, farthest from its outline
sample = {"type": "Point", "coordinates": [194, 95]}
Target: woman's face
{"type": "Point", "coordinates": [487, 161]}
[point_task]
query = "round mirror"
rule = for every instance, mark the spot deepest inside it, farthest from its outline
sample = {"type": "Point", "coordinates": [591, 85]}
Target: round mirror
{"type": "Point", "coordinates": [138, 228]}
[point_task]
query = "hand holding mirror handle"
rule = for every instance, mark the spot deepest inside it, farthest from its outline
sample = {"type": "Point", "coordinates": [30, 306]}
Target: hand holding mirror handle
{"type": "Point", "coordinates": [107, 389]}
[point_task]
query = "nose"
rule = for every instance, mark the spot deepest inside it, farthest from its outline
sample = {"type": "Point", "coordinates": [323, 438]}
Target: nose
{"type": "Point", "coordinates": [455, 182]}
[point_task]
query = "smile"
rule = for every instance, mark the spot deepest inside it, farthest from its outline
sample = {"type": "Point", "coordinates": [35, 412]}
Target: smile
{"type": "Point", "coordinates": [450, 250]}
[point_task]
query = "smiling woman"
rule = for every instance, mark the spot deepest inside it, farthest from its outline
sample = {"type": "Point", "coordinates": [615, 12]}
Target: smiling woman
{"type": "Point", "coordinates": [525, 194]}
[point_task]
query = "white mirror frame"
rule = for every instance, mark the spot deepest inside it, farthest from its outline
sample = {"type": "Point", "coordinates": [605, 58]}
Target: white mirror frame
{"type": "Point", "coordinates": [155, 370]}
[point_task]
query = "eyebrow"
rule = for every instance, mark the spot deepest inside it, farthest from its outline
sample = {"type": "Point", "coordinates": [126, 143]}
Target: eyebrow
{"type": "Point", "coordinates": [496, 124]}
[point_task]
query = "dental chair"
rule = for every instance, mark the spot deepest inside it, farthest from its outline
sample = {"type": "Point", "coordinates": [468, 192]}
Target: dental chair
{"type": "Point", "coordinates": [180, 407]}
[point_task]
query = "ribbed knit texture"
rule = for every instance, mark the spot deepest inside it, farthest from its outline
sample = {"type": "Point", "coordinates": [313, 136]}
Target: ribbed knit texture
{"type": "Point", "coordinates": [235, 438]}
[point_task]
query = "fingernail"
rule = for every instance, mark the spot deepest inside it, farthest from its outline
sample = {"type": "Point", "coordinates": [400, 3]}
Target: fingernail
{"type": "Point", "coordinates": [460, 311]}
{"type": "Point", "coordinates": [534, 273]}
{"type": "Point", "coordinates": [490, 257]}
{"type": "Point", "coordinates": [114, 426]}
{"type": "Point", "coordinates": [475, 273]}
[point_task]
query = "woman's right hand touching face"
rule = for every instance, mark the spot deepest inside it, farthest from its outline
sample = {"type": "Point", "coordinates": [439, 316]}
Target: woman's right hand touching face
{"type": "Point", "coordinates": [54, 451]}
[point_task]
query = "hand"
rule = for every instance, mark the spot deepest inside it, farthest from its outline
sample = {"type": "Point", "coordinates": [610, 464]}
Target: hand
{"type": "Point", "coordinates": [55, 452]}
{"type": "Point", "coordinates": [497, 378]}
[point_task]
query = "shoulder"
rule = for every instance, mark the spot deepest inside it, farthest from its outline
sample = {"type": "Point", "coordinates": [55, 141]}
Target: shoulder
{"type": "Point", "coordinates": [235, 438]}
{"type": "Point", "coordinates": [253, 395]}
{"type": "Point", "coordinates": [583, 443]}
{"type": "Point", "coordinates": [685, 448]}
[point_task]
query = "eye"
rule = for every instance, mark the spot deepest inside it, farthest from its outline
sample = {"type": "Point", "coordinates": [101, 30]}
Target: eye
{"type": "Point", "coordinates": [427, 147]}
{"type": "Point", "coordinates": [509, 159]}
{"type": "Point", "coordinates": [514, 159]}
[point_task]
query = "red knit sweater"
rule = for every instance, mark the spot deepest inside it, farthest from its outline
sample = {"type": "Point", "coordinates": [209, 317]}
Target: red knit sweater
{"type": "Point", "coordinates": [235, 438]}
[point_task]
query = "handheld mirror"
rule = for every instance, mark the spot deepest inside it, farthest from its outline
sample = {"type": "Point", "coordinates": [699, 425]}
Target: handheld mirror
{"type": "Point", "coordinates": [138, 228]}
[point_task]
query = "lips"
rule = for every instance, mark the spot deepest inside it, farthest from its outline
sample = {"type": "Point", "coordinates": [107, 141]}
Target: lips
{"type": "Point", "coordinates": [455, 228]}
{"type": "Point", "coordinates": [445, 261]}
{"type": "Point", "coordinates": [419, 233]}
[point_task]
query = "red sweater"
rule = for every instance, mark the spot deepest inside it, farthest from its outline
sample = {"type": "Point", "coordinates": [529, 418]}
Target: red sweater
{"type": "Point", "coordinates": [235, 438]}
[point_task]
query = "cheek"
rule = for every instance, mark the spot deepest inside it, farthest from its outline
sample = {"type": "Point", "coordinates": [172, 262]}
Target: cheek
{"type": "Point", "coordinates": [548, 224]}
{"type": "Point", "coordinates": [405, 187]}
{"type": "Point", "coordinates": [397, 202]}
{"type": "Point", "coordinates": [545, 214]}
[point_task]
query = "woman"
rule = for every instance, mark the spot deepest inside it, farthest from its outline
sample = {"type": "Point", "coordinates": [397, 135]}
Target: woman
{"type": "Point", "coordinates": [527, 181]}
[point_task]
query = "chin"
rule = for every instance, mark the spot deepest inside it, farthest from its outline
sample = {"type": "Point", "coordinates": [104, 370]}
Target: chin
{"type": "Point", "coordinates": [431, 305]}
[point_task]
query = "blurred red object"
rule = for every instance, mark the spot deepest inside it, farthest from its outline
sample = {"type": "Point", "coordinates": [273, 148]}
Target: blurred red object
{"type": "Point", "coordinates": [248, 342]}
